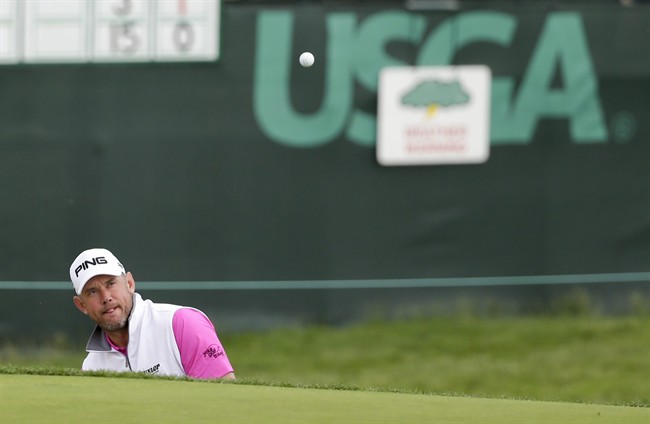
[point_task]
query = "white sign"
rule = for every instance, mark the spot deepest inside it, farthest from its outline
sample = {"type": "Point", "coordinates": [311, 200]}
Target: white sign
{"type": "Point", "coordinates": [433, 115]}
{"type": "Point", "coordinates": [68, 31]}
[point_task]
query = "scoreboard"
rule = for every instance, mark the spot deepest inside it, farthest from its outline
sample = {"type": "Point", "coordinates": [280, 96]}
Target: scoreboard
{"type": "Point", "coordinates": [69, 31]}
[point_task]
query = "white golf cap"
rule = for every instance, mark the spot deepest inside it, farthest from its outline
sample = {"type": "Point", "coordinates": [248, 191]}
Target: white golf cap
{"type": "Point", "coordinates": [93, 262]}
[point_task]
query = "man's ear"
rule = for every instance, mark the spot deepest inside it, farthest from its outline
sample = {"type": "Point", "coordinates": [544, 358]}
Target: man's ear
{"type": "Point", "coordinates": [80, 305]}
{"type": "Point", "coordinates": [130, 282]}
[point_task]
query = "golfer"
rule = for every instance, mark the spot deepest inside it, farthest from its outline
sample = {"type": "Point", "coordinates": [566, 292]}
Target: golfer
{"type": "Point", "coordinates": [134, 334]}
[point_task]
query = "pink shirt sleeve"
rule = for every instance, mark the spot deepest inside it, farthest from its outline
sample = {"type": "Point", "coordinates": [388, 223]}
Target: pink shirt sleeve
{"type": "Point", "coordinates": [202, 355]}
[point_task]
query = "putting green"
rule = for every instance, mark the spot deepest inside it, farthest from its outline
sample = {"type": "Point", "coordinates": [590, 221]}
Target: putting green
{"type": "Point", "coordinates": [72, 399]}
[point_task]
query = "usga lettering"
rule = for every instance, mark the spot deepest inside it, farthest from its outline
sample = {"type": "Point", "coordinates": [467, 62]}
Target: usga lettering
{"type": "Point", "coordinates": [84, 265]}
{"type": "Point", "coordinates": [357, 53]}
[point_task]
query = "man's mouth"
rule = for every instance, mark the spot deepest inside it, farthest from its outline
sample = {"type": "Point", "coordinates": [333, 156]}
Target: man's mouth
{"type": "Point", "coordinates": [110, 311]}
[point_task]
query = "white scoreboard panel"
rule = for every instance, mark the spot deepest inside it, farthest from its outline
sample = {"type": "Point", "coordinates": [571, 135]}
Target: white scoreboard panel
{"type": "Point", "coordinates": [69, 31]}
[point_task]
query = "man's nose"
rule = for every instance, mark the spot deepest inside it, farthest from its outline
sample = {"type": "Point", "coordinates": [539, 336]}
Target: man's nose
{"type": "Point", "coordinates": [105, 296]}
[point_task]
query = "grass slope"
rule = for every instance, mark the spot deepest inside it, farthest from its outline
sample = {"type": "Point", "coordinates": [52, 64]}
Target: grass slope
{"type": "Point", "coordinates": [566, 358]}
{"type": "Point", "coordinates": [77, 399]}
{"type": "Point", "coordinates": [588, 359]}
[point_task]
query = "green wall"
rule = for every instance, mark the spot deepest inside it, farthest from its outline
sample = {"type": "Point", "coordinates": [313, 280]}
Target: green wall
{"type": "Point", "coordinates": [252, 168]}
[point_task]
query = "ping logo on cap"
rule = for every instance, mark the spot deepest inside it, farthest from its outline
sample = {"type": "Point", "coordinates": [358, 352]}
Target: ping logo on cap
{"type": "Point", "coordinates": [93, 262]}
{"type": "Point", "coordinates": [99, 260]}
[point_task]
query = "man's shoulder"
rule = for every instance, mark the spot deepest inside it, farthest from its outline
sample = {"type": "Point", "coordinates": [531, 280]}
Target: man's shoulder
{"type": "Point", "coordinates": [147, 309]}
{"type": "Point", "coordinates": [186, 318]}
{"type": "Point", "coordinates": [187, 313]}
{"type": "Point", "coordinates": [160, 307]}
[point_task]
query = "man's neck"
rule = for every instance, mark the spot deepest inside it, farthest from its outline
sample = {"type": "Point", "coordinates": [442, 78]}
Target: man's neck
{"type": "Point", "coordinates": [119, 337]}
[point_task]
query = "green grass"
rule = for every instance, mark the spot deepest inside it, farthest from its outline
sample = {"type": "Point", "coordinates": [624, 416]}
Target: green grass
{"type": "Point", "coordinates": [109, 399]}
{"type": "Point", "coordinates": [588, 359]}
{"type": "Point", "coordinates": [565, 358]}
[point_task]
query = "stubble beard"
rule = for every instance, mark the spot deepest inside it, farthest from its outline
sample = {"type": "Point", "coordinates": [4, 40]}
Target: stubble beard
{"type": "Point", "coordinates": [118, 324]}
{"type": "Point", "coordinates": [115, 325]}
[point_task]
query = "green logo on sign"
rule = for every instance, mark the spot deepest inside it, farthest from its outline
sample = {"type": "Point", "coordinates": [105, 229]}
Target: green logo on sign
{"type": "Point", "coordinates": [356, 52]}
{"type": "Point", "coordinates": [433, 94]}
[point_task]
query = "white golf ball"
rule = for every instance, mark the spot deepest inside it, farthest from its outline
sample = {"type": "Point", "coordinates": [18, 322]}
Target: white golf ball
{"type": "Point", "coordinates": [306, 59]}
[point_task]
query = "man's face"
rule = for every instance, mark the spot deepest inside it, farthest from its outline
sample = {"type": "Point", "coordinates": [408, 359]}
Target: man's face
{"type": "Point", "coordinates": [107, 300]}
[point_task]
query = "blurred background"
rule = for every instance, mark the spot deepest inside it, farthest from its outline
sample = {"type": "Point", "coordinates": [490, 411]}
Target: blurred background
{"type": "Point", "coordinates": [185, 137]}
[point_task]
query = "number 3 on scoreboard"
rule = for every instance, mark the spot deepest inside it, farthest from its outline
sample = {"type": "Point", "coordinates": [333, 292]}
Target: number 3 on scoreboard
{"type": "Point", "coordinates": [123, 8]}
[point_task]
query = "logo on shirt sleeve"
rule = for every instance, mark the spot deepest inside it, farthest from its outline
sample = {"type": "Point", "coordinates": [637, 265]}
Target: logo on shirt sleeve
{"type": "Point", "coordinates": [214, 351]}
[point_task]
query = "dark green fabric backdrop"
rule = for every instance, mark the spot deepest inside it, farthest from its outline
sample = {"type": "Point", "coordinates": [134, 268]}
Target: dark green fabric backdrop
{"type": "Point", "coordinates": [174, 168]}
